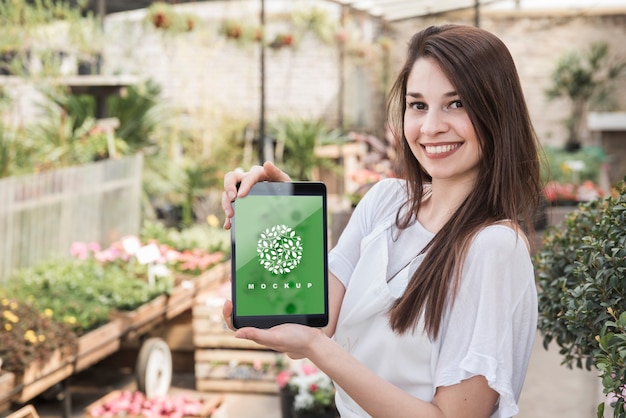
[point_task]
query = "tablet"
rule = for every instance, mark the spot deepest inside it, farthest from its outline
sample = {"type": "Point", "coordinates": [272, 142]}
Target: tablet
{"type": "Point", "coordinates": [279, 255]}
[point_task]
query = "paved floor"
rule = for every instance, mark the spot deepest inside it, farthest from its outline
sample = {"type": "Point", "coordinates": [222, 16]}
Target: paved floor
{"type": "Point", "coordinates": [551, 391]}
{"type": "Point", "coordinates": [555, 391]}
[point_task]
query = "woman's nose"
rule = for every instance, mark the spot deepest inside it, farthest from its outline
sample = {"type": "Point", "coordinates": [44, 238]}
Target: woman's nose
{"type": "Point", "coordinates": [434, 122]}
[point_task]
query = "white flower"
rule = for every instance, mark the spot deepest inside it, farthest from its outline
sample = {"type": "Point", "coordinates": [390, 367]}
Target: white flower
{"type": "Point", "coordinates": [148, 254]}
{"type": "Point", "coordinates": [160, 270]}
{"type": "Point", "coordinates": [131, 245]}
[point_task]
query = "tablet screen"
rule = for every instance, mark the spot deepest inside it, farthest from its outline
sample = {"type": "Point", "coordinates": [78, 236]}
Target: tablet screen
{"type": "Point", "coordinates": [279, 255]}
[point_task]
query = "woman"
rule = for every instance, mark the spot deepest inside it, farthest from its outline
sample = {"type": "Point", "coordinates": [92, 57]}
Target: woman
{"type": "Point", "coordinates": [432, 295]}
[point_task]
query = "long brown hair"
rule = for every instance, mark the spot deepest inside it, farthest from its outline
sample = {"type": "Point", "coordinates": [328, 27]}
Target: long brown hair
{"type": "Point", "coordinates": [482, 70]}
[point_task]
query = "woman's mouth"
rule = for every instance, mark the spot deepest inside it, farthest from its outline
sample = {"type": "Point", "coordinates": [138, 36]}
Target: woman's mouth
{"type": "Point", "coordinates": [441, 150]}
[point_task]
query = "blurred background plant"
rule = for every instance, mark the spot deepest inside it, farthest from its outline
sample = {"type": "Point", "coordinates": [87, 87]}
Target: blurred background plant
{"type": "Point", "coordinates": [296, 140]}
{"type": "Point", "coordinates": [573, 176]}
{"type": "Point", "coordinates": [585, 79]}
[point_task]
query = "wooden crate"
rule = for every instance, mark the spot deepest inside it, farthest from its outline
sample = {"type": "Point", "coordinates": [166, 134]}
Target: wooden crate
{"type": "Point", "coordinates": [210, 404]}
{"type": "Point", "coordinates": [38, 377]}
{"type": "Point", "coordinates": [97, 344]}
{"type": "Point", "coordinates": [7, 383]}
{"type": "Point", "coordinates": [214, 277]}
{"type": "Point", "coordinates": [181, 298]}
{"type": "Point", "coordinates": [228, 370]}
{"type": "Point", "coordinates": [224, 363]}
{"type": "Point", "coordinates": [27, 411]}
{"type": "Point", "coordinates": [210, 330]}
{"type": "Point", "coordinates": [142, 319]}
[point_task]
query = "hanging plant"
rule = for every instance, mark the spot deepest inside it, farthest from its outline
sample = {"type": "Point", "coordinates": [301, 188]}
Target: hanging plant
{"type": "Point", "coordinates": [258, 34]}
{"type": "Point", "coordinates": [341, 36]}
{"type": "Point", "coordinates": [315, 20]}
{"type": "Point", "coordinates": [282, 40]}
{"type": "Point", "coordinates": [385, 43]}
{"type": "Point", "coordinates": [190, 21]}
{"type": "Point", "coordinates": [163, 16]}
{"type": "Point", "coordinates": [232, 29]}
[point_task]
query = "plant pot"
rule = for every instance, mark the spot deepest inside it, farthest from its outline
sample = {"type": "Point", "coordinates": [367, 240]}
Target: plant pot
{"type": "Point", "coordinates": [90, 66]}
{"type": "Point", "coordinates": [324, 414]}
{"type": "Point", "coordinates": [14, 62]}
{"type": "Point", "coordinates": [286, 402]}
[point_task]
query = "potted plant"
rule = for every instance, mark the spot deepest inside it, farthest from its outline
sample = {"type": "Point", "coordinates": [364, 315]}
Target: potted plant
{"type": "Point", "coordinates": [11, 52]}
{"type": "Point", "coordinates": [88, 36]}
{"type": "Point", "coordinates": [580, 269]}
{"type": "Point", "coordinates": [163, 16]}
{"type": "Point", "coordinates": [306, 392]}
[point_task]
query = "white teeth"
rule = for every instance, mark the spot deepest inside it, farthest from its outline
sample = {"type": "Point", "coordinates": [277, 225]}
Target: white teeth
{"type": "Point", "coordinates": [439, 149]}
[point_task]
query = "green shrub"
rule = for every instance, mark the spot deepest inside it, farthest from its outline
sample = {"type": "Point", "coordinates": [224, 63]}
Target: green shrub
{"type": "Point", "coordinates": [580, 268]}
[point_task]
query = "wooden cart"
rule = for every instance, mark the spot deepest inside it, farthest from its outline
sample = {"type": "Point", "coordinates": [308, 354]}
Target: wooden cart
{"type": "Point", "coordinates": [154, 362]}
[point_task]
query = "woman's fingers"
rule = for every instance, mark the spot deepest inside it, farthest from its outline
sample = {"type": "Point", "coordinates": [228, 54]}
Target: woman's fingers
{"type": "Point", "coordinates": [227, 313]}
{"type": "Point", "coordinates": [274, 173]}
{"type": "Point", "coordinates": [237, 183]}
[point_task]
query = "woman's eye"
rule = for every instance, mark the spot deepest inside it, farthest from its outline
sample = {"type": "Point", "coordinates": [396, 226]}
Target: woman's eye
{"type": "Point", "coordinates": [417, 105]}
{"type": "Point", "coordinates": [456, 104]}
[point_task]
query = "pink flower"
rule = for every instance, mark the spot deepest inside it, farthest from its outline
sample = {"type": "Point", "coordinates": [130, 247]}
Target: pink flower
{"type": "Point", "coordinates": [283, 377]}
{"type": "Point", "coordinates": [309, 369]}
{"type": "Point", "coordinates": [365, 176]}
{"type": "Point", "coordinates": [79, 250]}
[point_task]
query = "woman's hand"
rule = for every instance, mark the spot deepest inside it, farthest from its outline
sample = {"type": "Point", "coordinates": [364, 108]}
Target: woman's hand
{"type": "Point", "coordinates": [245, 181]}
{"type": "Point", "coordinates": [294, 340]}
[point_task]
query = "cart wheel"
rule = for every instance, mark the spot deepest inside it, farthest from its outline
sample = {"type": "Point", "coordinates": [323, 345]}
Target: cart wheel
{"type": "Point", "coordinates": [154, 368]}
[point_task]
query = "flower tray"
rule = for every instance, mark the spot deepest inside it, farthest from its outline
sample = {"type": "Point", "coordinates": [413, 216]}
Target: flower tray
{"type": "Point", "coordinates": [181, 297]}
{"type": "Point", "coordinates": [142, 319]}
{"type": "Point", "coordinates": [213, 277]}
{"type": "Point", "coordinates": [100, 408]}
{"type": "Point", "coordinates": [97, 344]}
{"type": "Point", "coordinates": [252, 371]}
{"type": "Point", "coordinates": [7, 383]}
{"type": "Point", "coordinates": [38, 376]}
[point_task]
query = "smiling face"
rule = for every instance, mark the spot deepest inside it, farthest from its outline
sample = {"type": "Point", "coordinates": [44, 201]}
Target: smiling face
{"type": "Point", "coordinates": [437, 127]}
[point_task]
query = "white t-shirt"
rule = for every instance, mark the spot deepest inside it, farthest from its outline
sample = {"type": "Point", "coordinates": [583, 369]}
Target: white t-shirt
{"type": "Point", "coordinates": [488, 331]}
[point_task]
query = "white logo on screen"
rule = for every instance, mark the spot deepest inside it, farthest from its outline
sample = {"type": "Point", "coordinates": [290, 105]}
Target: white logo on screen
{"type": "Point", "coordinates": [279, 249]}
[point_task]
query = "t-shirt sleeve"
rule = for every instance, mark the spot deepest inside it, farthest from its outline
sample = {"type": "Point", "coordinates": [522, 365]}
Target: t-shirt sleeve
{"type": "Point", "coordinates": [491, 326]}
{"type": "Point", "coordinates": [381, 201]}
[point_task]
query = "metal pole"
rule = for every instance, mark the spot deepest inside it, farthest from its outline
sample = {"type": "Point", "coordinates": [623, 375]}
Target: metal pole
{"type": "Point", "coordinates": [477, 13]}
{"type": "Point", "coordinates": [102, 9]}
{"type": "Point", "coordinates": [266, 147]}
{"type": "Point", "coordinates": [342, 59]}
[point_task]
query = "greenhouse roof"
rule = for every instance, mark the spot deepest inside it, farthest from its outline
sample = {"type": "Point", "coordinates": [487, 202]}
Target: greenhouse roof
{"type": "Point", "coordinates": [395, 10]}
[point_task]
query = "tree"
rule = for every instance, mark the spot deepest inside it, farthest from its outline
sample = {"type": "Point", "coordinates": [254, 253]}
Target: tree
{"type": "Point", "coordinates": [585, 79]}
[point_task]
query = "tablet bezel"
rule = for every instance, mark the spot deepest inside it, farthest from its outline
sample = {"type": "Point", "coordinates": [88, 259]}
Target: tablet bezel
{"type": "Point", "coordinates": [296, 188]}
